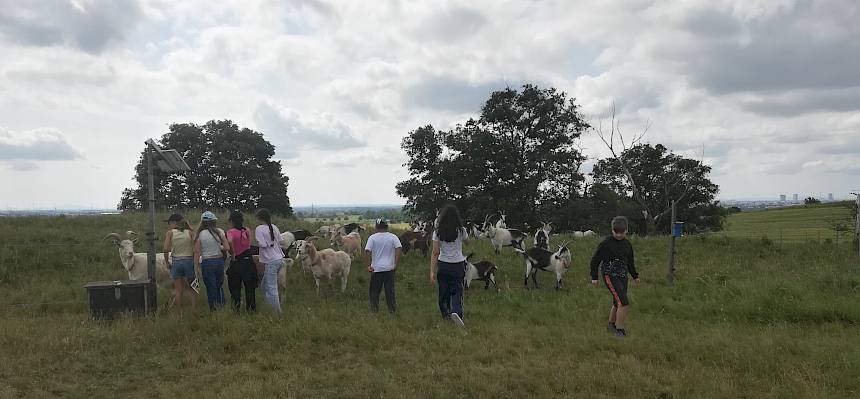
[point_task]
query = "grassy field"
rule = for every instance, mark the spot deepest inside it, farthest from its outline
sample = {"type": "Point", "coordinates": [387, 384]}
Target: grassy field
{"type": "Point", "coordinates": [746, 318]}
{"type": "Point", "coordinates": [808, 223]}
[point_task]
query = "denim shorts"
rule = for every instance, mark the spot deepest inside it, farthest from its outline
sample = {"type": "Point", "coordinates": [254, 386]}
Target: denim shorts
{"type": "Point", "coordinates": [182, 268]}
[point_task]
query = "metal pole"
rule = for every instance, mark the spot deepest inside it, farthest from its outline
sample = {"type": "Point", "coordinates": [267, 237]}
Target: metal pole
{"type": "Point", "coordinates": [857, 228]}
{"type": "Point", "coordinates": [150, 233]}
{"type": "Point", "coordinates": [670, 268]}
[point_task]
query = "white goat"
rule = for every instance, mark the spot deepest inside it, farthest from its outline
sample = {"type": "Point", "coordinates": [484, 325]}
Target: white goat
{"type": "Point", "coordinates": [542, 259]}
{"type": "Point", "coordinates": [135, 263]}
{"type": "Point", "coordinates": [324, 263]}
{"type": "Point", "coordinates": [350, 243]}
{"type": "Point", "coordinates": [502, 237]}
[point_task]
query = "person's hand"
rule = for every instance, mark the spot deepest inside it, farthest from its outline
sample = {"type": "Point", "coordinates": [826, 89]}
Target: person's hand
{"type": "Point", "coordinates": [370, 269]}
{"type": "Point", "coordinates": [433, 278]}
{"type": "Point", "coordinates": [167, 263]}
{"type": "Point", "coordinates": [636, 282]}
{"type": "Point", "coordinates": [594, 283]}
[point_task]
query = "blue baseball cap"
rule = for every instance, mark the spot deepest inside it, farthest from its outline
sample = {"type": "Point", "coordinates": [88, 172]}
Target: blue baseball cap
{"type": "Point", "coordinates": [207, 216]}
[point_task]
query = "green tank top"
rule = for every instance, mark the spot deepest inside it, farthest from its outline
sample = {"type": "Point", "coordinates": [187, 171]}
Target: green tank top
{"type": "Point", "coordinates": [182, 243]}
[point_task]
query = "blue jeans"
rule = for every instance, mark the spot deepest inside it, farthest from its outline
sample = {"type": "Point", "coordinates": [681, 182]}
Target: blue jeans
{"type": "Point", "coordinates": [213, 278]}
{"type": "Point", "coordinates": [270, 284]}
{"type": "Point", "coordinates": [449, 278]}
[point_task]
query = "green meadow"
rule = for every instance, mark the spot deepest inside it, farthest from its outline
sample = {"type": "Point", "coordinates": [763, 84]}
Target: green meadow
{"type": "Point", "coordinates": [746, 317]}
{"type": "Point", "coordinates": [803, 223]}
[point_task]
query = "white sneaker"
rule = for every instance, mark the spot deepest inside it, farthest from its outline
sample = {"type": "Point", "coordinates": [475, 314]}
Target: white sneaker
{"type": "Point", "coordinates": [457, 320]}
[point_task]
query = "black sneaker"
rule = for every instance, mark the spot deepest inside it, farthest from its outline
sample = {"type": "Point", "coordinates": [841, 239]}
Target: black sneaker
{"type": "Point", "coordinates": [610, 327]}
{"type": "Point", "coordinates": [620, 333]}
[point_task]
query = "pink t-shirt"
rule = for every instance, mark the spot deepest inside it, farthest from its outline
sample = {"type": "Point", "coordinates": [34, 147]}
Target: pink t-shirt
{"type": "Point", "coordinates": [241, 240]}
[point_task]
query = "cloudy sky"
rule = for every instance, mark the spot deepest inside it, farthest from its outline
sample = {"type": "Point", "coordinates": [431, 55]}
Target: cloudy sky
{"type": "Point", "coordinates": [771, 88]}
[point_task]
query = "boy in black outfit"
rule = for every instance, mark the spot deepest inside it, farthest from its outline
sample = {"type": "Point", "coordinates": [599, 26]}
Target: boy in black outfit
{"type": "Point", "coordinates": [615, 254]}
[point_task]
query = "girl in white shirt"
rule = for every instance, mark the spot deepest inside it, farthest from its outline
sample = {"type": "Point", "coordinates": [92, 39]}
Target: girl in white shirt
{"type": "Point", "coordinates": [269, 240]}
{"type": "Point", "coordinates": [448, 265]}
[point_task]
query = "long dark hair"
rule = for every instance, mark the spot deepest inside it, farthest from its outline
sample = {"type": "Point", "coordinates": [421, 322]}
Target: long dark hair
{"type": "Point", "coordinates": [450, 224]}
{"type": "Point", "coordinates": [264, 215]}
{"type": "Point", "coordinates": [238, 221]}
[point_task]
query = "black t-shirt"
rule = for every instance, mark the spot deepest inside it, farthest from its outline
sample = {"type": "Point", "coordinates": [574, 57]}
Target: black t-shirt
{"type": "Point", "coordinates": [616, 256]}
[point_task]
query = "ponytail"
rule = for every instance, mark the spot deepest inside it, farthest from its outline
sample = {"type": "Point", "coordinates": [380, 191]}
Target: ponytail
{"type": "Point", "coordinates": [266, 217]}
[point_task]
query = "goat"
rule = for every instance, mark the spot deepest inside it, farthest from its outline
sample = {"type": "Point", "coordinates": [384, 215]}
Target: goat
{"type": "Point", "coordinates": [588, 233]}
{"type": "Point", "coordinates": [502, 237]}
{"type": "Point", "coordinates": [483, 271]}
{"type": "Point", "coordinates": [301, 234]}
{"type": "Point", "coordinates": [501, 224]}
{"type": "Point", "coordinates": [350, 243]}
{"type": "Point", "coordinates": [324, 263]}
{"type": "Point", "coordinates": [542, 236]}
{"type": "Point", "coordinates": [349, 228]}
{"type": "Point", "coordinates": [411, 239]}
{"type": "Point", "coordinates": [323, 231]}
{"type": "Point", "coordinates": [135, 263]}
{"type": "Point", "coordinates": [542, 259]}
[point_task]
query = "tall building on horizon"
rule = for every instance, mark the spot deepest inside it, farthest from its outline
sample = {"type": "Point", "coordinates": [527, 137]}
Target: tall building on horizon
{"type": "Point", "coordinates": [795, 198]}
{"type": "Point", "coordinates": [782, 198]}
{"type": "Point", "coordinates": [830, 196]}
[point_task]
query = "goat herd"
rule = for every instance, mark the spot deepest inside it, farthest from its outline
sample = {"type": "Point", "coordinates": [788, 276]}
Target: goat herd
{"type": "Point", "coordinates": [345, 241]}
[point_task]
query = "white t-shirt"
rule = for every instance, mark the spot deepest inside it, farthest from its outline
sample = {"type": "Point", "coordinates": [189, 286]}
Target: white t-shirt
{"type": "Point", "coordinates": [451, 252]}
{"type": "Point", "coordinates": [270, 250]}
{"type": "Point", "coordinates": [382, 247]}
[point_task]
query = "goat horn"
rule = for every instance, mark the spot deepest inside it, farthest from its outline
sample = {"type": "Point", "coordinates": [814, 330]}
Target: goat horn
{"type": "Point", "coordinates": [116, 237]}
{"type": "Point", "coordinates": [130, 233]}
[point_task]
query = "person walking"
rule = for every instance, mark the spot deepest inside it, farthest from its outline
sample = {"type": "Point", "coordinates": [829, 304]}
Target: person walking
{"type": "Point", "coordinates": [269, 240]}
{"type": "Point", "coordinates": [242, 271]}
{"type": "Point", "coordinates": [210, 249]}
{"type": "Point", "coordinates": [179, 256]}
{"type": "Point", "coordinates": [448, 265]}
{"type": "Point", "coordinates": [384, 250]}
{"type": "Point", "coordinates": [614, 258]}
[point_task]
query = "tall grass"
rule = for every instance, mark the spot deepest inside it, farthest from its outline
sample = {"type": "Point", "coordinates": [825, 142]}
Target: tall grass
{"type": "Point", "coordinates": [745, 318]}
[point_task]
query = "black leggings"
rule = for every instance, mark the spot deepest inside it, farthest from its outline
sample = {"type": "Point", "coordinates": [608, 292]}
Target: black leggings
{"type": "Point", "coordinates": [242, 272]}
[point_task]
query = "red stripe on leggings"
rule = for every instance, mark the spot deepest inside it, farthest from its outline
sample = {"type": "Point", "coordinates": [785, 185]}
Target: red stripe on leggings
{"type": "Point", "coordinates": [612, 290]}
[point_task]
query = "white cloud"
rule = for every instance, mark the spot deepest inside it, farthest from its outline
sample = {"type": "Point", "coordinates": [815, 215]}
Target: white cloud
{"type": "Point", "coordinates": [767, 86]}
{"type": "Point", "coordinates": [36, 145]}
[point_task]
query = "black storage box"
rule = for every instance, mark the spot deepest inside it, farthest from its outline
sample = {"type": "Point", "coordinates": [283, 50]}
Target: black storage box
{"type": "Point", "coordinates": [107, 298]}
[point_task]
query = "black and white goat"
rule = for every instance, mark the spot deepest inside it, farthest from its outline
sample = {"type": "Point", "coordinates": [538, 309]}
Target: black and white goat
{"type": "Point", "coordinates": [502, 237]}
{"type": "Point", "coordinates": [542, 259]}
{"type": "Point", "coordinates": [501, 223]}
{"type": "Point", "coordinates": [542, 235]}
{"type": "Point", "coordinates": [349, 228]}
{"type": "Point", "coordinates": [483, 271]}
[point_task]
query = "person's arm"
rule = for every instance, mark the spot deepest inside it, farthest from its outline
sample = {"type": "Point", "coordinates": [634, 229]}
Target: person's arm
{"type": "Point", "coordinates": [595, 263]}
{"type": "Point", "coordinates": [368, 246]}
{"type": "Point", "coordinates": [434, 259]}
{"type": "Point", "coordinates": [168, 247]}
{"type": "Point", "coordinates": [197, 257]}
{"type": "Point", "coordinates": [261, 238]}
{"type": "Point", "coordinates": [231, 244]}
{"type": "Point", "coordinates": [632, 266]}
{"type": "Point", "coordinates": [225, 245]}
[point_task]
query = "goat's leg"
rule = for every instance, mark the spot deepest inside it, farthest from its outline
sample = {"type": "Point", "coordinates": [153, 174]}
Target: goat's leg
{"type": "Point", "coordinates": [317, 281]}
{"type": "Point", "coordinates": [528, 272]}
{"type": "Point", "coordinates": [534, 277]}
